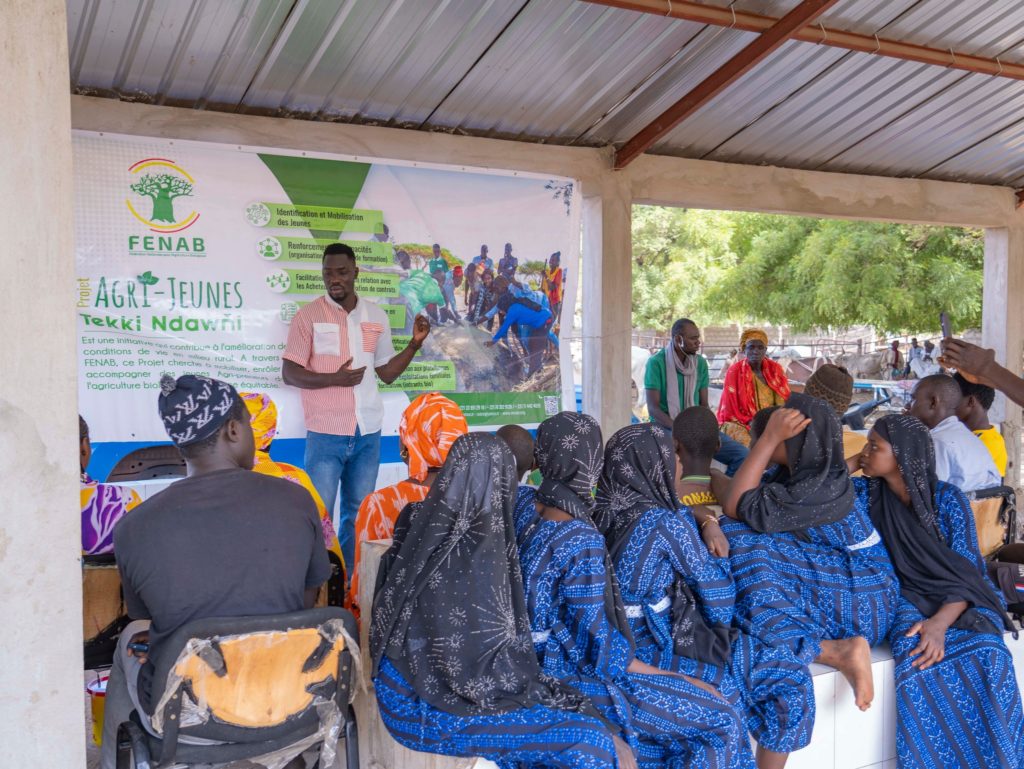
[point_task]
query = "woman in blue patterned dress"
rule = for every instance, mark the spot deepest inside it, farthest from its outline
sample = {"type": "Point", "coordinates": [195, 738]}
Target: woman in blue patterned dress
{"type": "Point", "coordinates": [454, 668]}
{"type": "Point", "coordinates": [957, 700]}
{"type": "Point", "coordinates": [679, 598]}
{"type": "Point", "coordinates": [811, 572]}
{"type": "Point", "coordinates": [579, 626]}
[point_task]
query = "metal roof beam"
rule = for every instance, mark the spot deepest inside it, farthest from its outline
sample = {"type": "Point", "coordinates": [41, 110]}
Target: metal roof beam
{"type": "Point", "coordinates": [821, 35]}
{"type": "Point", "coordinates": [770, 39]}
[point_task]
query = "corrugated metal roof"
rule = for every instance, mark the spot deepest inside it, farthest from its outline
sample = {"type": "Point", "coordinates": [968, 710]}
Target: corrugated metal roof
{"type": "Point", "coordinates": [565, 71]}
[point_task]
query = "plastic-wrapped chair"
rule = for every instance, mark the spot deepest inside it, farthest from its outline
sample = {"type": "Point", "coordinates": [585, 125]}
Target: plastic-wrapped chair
{"type": "Point", "coordinates": [256, 690]}
{"type": "Point", "coordinates": [995, 518]}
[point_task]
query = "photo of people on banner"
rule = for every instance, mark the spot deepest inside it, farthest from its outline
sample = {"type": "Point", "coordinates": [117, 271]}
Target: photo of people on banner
{"type": "Point", "coordinates": [517, 306]}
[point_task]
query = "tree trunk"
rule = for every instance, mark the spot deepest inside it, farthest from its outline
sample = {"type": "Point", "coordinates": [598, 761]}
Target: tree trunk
{"type": "Point", "coordinates": [163, 207]}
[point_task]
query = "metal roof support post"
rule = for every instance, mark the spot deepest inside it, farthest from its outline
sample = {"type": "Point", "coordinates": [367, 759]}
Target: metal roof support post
{"type": "Point", "coordinates": [1003, 329]}
{"type": "Point", "coordinates": [770, 40]}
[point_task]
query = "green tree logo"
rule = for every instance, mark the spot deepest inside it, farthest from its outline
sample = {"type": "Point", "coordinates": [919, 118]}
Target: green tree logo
{"type": "Point", "coordinates": [162, 189]}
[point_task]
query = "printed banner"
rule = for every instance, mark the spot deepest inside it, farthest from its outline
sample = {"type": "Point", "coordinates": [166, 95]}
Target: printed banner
{"type": "Point", "coordinates": [195, 258]}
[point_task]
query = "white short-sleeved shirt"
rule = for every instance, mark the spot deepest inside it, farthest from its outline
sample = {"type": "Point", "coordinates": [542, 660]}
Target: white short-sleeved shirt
{"type": "Point", "coordinates": [961, 459]}
{"type": "Point", "coordinates": [321, 338]}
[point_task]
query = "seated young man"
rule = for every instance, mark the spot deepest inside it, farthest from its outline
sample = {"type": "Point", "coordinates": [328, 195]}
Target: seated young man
{"type": "Point", "coordinates": [522, 444]}
{"type": "Point", "coordinates": [973, 412]}
{"type": "Point", "coordinates": [223, 542]}
{"type": "Point", "coordinates": [961, 459]}
{"type": "Point", "coordinates": [103, 504]}
{"type": "Point", "coordinates": [696, 439]}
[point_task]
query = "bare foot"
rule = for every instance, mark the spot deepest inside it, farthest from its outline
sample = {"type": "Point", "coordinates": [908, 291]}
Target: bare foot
{"type": "Point", "coordinates": [852, 658]}
{"type": "Point", "coordinates": [769, 759]}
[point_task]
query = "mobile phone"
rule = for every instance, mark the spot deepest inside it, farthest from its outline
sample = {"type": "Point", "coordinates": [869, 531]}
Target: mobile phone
{"type": "Point", "coordinates": [139, 648]}
{"type": "Point", "coordinates": [947, 329]}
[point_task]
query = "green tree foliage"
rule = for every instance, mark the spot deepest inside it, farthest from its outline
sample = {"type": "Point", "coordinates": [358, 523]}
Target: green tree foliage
{"type": "Point", "coordinates": [677, 254]}
{"type": "Point", "coordinates": [805, 273]}
{"type": "Point", "coordinates": [532, 272]}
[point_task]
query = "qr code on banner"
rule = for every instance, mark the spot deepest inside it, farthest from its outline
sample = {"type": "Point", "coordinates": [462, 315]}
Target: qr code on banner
{"type": "Point", "coordinates": [550, 405]}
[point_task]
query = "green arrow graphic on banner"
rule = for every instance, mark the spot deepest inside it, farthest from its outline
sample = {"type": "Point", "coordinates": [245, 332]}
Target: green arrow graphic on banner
{"type": "Point", "coordinates": [282, 248]}
{"type": "Point", "coordinates": [424, 376]}
{"type": "Point", "coordinates": [318, 182]}
{"type": "Point", "coordinates": [312, 282]}
{"type": "Point", "coordinates": [335, 220]}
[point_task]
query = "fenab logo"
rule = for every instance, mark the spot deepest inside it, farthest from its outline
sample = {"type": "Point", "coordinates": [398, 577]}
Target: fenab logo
{"type": "Point", "coordinates": [159, 185]}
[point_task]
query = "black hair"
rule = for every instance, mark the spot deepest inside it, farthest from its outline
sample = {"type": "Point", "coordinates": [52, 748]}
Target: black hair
{"type": "Point", "coordinates": [679, 325]}
{"type": "Point", "coordinates": [696, 429]}
{"type": "Point", "coordinates": [983, 394]}
{"type": "Point", "coordinates": [760, 421]}
{"type": "Point", "coordinates": [521, 442]}
{"type": "Point", "coordinates": [339, 248]}
{"type": "Point", "coordinates": [83, 428]}
{"type": "Point", "coordinates": [945, 389]}
{"type": "Point", "coordinates": [238, 412]}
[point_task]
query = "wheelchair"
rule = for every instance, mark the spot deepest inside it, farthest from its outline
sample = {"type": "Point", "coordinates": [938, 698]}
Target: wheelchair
{"type": "Point", "coordinates": [244, 688]}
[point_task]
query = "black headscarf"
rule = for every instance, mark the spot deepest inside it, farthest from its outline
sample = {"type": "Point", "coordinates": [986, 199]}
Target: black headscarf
{"type": "Point", "coordinates": [639, 474]}
{"type": "Point", "coordinates": [815, 489]}
{"type": "Point", "coordinates": [930, 572]}
{"type": "Point", "coordinates": [569, 453]}
{"type": "Point", "coordinates": [449, 609]}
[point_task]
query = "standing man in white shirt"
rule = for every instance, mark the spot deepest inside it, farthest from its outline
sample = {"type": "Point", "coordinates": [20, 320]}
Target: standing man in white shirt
{"type": "Point", "coordinates": [961, 459]}
{"type": "Point", "coordinates": [331, 342]}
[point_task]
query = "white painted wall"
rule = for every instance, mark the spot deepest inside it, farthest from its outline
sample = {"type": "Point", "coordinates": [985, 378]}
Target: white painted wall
{"type": "Point", "coordinates": [41, 710]}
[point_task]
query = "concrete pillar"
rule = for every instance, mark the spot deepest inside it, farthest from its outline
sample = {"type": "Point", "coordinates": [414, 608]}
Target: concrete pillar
{"type": "Point", "coordinates": [1003, 328]}
{"type": "Point", "coordinates": [41, 710]}
{"type": "Point", "coordinates": [607, 273]}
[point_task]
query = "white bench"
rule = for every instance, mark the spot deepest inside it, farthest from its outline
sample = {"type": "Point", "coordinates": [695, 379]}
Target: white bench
{"type": "Point", "coordinates": [843, 737]}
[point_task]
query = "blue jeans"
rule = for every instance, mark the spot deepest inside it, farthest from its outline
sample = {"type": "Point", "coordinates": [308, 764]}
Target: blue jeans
{"type": "Point", "coordinates": [351, 461]}
{"type": "Point", "coordinates": [731, 454]}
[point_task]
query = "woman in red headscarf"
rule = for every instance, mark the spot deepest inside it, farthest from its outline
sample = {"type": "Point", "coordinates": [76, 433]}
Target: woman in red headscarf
{"type": "Point", "coordinates": [429, 427]}
{"type": "Point", "coordinates": [754, 382]}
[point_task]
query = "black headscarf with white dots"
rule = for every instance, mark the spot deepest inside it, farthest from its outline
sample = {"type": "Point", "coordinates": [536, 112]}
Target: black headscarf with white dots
{"type": "Point", "coordinates": [639, 474]}
{"type": "Point", "coordinates": [449, 610]}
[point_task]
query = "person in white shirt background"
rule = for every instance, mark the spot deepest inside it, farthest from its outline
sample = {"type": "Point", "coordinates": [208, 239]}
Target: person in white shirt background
{"type": "Point", "coordinates": [961, 459]}
{"type": "Point", "coordinates": [925, 365]}
{"type": "Point", "coordinates": [916, 352]}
